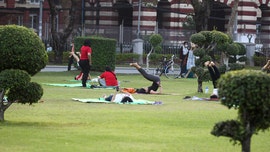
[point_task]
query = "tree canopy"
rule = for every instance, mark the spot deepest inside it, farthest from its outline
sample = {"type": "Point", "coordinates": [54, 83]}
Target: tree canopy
{"type": "Point", "coordinates": [248, 92]}
{"type": "Point", "coordinates": [21, 48]}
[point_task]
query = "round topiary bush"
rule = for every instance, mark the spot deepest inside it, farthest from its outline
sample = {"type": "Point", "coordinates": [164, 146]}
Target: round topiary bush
{"type": "Point", "coordinates": [19, 86]}
{"type": "Point", "coordinates": [21, 48]}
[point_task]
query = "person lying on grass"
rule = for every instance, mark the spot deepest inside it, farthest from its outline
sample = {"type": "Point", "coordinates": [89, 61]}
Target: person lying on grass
{"type": "Point", "coordinates": [145, 90]}
{"type": "Point", "coordinates": [123, 97]}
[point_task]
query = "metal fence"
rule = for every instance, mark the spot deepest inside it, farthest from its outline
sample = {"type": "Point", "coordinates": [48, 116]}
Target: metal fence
{"type": "Point", "coordinates": [172, 39]}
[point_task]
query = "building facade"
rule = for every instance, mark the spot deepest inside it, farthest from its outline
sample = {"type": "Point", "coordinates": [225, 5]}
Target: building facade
{"type": "Point", "coordinates": [126, 20]}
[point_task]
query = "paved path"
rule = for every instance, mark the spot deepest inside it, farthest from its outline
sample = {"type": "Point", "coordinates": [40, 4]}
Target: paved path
{"type": "Point", "coordinates": [120, 70]}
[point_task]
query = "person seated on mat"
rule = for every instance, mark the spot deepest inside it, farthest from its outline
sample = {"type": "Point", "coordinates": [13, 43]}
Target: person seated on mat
{"type": "Point", "coordinates": [215, 75]}
{"type": "Point", "coordinates": [108, 78]}
{"type": "Point", "coordinates": [156, 85]}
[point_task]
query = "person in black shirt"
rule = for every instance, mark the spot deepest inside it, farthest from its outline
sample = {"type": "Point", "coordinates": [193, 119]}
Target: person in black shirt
{"type": "Point", "coordinates": [156, 85]}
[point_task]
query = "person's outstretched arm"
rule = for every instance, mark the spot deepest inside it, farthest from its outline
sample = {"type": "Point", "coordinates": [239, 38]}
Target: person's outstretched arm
{"type": "Point", "coordinates": [156, 92]}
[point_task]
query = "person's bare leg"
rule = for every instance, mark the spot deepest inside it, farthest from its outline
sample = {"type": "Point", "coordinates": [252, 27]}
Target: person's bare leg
{"type": "Point", "coordinates": [136, 65]}
{"type": "Point", "coordinates": [75, 56]}
{"type": "Point", "coordinates": [267, 65]}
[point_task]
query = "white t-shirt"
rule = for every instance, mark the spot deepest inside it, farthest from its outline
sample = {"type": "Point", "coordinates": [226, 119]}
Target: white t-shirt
{"type": "Point", "coordinates": [120, 96]}
{"type": "Point", "coordinates": [185, 51]}
{"type": "Point", "coordinates": [190, 60]}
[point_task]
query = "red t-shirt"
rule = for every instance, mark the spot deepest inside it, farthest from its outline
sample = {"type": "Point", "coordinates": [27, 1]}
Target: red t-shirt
{"type": "Point", "coordinates": [110, 78]}
{"type": "Point", "coordinates": [84, 52]}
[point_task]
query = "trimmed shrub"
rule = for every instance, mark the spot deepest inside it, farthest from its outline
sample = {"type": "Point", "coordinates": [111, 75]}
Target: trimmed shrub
{"type": "Point", "coordinates": [124, 58]}
{"type": "Point", "coordinates": [19, 87]}
{"type": "Point", "coordinates": [21, 48]}
{"type": "Point", "coordinates": [103, 51]}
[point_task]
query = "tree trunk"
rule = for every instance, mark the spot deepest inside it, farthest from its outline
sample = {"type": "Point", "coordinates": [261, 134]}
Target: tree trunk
{"type": "Point", "coordinates": [232, 18]}
{"type": "Point", "coordinates": [3, 105]}
{"type": "Point", "coordinates": [2, 93]}
{"type": "Point", "coordinates": [246, 144]}
{"type": "Point", "coordinates": [202, 10]}
{"type": "Point", "coordinates": [58, 45]}
{"type": "Point", "coordinates": [148, 60]}
{"type": "Point", "coordinates": [60, 38]}
{"type": "Point", "coordinates": [200, 85]}
{"type": "Point", "coordinates": [2, 112]}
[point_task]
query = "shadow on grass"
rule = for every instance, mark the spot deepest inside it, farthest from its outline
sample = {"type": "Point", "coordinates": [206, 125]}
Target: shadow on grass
{"type": "Point", "coordinates": [37, 124]}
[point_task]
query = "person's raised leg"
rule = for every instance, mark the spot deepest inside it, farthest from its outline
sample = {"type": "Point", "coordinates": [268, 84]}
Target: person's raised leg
{"type": "Point", "coordinates": [136, 65]}
{"type": "Point", "coordinates": [144, 73]}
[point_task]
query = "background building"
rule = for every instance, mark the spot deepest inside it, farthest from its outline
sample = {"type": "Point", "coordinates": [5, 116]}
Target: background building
{"type": "Point", "coordinates": [126, 20]}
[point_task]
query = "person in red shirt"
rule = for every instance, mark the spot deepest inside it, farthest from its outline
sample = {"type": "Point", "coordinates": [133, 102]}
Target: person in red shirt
{"type": "Point", "coordinates": [85, 60]}
{"type": "Point", "coordinates": [108, 78]}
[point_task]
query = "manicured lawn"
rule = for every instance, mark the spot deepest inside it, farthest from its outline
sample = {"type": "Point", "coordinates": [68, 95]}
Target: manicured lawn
{"type": "Point", "coordinates": [60, 124]}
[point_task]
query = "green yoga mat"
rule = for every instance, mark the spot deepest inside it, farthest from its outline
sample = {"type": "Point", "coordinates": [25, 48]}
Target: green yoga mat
{"type": "Point", "coordinates": [102, 100]}
{"type": "Point", "coordinates": [78, 85]}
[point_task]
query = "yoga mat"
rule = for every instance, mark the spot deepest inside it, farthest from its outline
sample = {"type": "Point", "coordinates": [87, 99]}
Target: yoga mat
{"type": "Point", "coordinates": [78, 85]}
{"type": "Point", "coordinates": [66, 85]}
{"type": "Point", "coordinates": [195, 98]}
{"type": "Point", "coordinates": [102, 100]}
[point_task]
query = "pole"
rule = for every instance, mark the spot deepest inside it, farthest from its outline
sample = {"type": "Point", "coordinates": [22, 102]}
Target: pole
{"type": "Point", "coordinates": [40, 18]}
{"type": "Point", "coordinates": [139, 19]}
{"type": "Point", "coordinates": [83, 15]}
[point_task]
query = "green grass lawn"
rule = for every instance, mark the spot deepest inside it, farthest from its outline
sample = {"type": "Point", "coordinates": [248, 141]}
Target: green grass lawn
{"type": "Point", "coordinates": [60, 124]}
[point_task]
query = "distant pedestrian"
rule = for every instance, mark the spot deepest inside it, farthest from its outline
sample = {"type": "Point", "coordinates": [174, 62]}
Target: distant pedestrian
{"type": "Point", "coordinates": [183, 57]}
{"type": "Point", "coordinates": [71, 57]}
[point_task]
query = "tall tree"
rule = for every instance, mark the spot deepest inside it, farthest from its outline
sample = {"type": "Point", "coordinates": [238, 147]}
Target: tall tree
{"type": "Point", "coordinates": [202, 10]}
{"type": "Point", "coordinates": [59, 38]}
{"type": "Point", "coordinates": [232, 18]}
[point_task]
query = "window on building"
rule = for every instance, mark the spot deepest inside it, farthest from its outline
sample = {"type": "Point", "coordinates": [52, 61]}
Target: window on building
{"type": "Point", "coordinates": [34, 1]}
{"type": "Point", "coordinates": [20, 20]}
{"type": "Point", "coordinates": [34, 21]}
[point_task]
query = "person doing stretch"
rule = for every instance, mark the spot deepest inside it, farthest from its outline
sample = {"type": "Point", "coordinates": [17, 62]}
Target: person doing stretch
{"type": "Point", "coordinates": [155, 85]}
{"type": "Point", "coordinates": [215, 75]}
{"type": "Point", "coordinates": [214, 72]}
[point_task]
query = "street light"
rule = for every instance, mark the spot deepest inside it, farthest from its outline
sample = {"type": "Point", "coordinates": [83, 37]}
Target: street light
{"type": "Point", "coordinates": [40, 18]}
{"type": "Point", "coordinates": [139, 19]}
